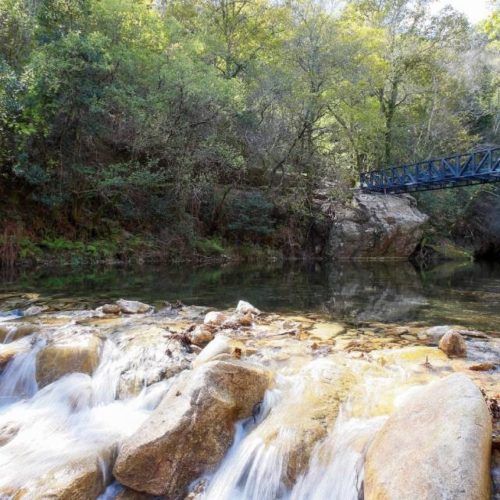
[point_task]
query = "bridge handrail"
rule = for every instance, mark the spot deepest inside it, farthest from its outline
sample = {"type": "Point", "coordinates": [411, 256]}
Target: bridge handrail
{"type": "Point", "coordinates": [445, 169]}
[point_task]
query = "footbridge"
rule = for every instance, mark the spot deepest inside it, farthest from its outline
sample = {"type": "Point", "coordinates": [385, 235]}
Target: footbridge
{"type": "Point", "coordinates": [478, 167]}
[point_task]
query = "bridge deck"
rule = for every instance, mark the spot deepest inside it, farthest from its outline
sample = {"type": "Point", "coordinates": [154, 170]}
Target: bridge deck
{"type": "Point", "coordinates": [460, 170]}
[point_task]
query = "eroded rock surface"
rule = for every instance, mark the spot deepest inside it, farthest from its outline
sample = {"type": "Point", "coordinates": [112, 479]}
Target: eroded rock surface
{"type": "Point", "coordinates": [191, 429]}
{"type": "Point", "coordinates": [376, 226]}
{"type": "Point", "coordinates": [437, 445]}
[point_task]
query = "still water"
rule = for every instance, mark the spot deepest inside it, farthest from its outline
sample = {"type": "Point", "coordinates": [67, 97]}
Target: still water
{"type": "Point", "coordinates": [456, 293]}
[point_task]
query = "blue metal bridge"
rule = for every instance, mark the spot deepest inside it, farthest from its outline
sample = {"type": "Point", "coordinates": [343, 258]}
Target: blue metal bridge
{"type": "Point", "coordinates": [478, 167]}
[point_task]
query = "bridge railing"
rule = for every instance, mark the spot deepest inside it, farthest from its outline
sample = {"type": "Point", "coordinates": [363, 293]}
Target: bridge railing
{"type": "Point", "coordinates": [477, 167]}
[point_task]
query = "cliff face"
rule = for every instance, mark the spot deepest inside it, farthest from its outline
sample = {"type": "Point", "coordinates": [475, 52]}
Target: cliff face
{"type": "Point", "coordinates": [480, 227]}
{"type": "Point", "coordinates": [375, 226]}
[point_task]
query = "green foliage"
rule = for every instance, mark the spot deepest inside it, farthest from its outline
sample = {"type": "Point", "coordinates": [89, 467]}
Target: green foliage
{"type": "Point", "coordinates": [211, 247]}
{"type": "Point", "coordinates": [143, 112]}
{"type": "Point", "coordinates": [249, 216]}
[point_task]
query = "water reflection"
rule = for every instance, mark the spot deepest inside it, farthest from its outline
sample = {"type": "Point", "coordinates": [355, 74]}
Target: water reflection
{"type": "Point", "coordinates": [465, 293]}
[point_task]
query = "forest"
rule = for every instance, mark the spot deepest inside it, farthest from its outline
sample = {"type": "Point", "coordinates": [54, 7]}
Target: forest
{"type": "Point", "coordinates": [200, 128]}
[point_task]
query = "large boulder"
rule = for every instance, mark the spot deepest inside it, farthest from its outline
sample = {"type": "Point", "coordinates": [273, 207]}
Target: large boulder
{"type": "Point", "coordinates": [375, 226]}
{"type": "Point", "coordinates": [435, 446]}
{"type": "Point", "coordinates": [192, 428]}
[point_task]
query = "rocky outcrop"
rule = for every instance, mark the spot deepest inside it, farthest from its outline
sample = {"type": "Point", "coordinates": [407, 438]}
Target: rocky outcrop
{"type": "Point", "coordinates": [437, 445]}
{"type": "Point", "coordinates": [479, 228]}
{"type": "Point", "coordinates": [375, 226]}
{"type": "Point", "coordinates": [192, 428]}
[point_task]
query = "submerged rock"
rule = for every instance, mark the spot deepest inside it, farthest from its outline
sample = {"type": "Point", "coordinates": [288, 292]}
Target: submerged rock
{"type": "Point", "coordinates": [453, 344]}
{"type": "Point", "coordinates": [375, 226]}
{"type": "Point", "coordinates": [437, 445]}
{"type": "Point", "coordinates": [192, 428]}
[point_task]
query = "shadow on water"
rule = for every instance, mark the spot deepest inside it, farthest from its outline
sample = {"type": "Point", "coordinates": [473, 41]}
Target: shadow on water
{"type": "Point", "coordinates": [465, 293]}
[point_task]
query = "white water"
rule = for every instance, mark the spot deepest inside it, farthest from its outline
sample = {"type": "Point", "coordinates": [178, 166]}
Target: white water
{"type": "Point", "coordinates": [75, 417]}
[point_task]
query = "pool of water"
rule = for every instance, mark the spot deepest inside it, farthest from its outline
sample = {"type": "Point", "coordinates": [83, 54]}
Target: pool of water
{"type": "Point", "coordinates": [464, 293]}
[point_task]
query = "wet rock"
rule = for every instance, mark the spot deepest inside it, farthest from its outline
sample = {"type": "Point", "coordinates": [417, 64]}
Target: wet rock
{"type": "Point", "coordinates": [375, 225]}
{"type": "Point", "coordinates": [446, 454]}
{"type": "Point", "coordinates": [111, 309]}
{"type": "Point", "coordinates": [15, 331]}
{"type": "Point", "coordinates": [303, 417]}
{"type": "Point", "coordinates": [34, 310]}
{"type": "Point", "coordinates": [78, 480]}
{"type": "Point", "coordinates": [246, 319]}
{"type": "Point", "coordinates": [76, 350]}
{"type": "Point", "coordinates": [148, 354]}
{"type": "Point", "coordinates": [219, 345]}
{"type": "Point", "coordinates": [482, 367]}
{"type": "Point", "coordinates": [12, 349]}
{"type": "Point", "coordinates": [214, 318]}
{"type": "Point", "coordinates": [453, 344]}
{"type": "Point", "coordinates": [133, 307]}
{"type": "Point", "coordinates": [201, 335]}
{"type": "Point", "coordinates": [192, 428]}
{"type": "Point", "coordinates": [327, 331]}
{"type": "Point", "coordinates": [244, 307]}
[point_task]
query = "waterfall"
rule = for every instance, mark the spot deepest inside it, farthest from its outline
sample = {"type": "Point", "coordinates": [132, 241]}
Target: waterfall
{"type": "Point", "coordinates": [18, 379]}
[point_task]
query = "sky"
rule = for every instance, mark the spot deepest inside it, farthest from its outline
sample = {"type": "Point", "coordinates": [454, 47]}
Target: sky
{"type": "Point", "coordinates": [475, 10]}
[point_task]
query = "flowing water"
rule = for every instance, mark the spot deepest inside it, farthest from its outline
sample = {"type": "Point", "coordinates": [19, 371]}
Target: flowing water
{"type": "Point", "coordinates": [310, 436]}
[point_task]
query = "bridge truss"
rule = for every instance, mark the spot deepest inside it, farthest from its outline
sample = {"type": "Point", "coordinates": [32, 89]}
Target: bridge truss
{"type": "Point", "coordinates": [478, 167]}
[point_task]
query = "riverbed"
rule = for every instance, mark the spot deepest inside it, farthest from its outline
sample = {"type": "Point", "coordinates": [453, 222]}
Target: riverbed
{"type": "Point", "coordinates": [309, 366]}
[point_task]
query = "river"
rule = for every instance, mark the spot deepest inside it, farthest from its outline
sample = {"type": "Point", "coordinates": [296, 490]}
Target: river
{"type": "Point", "coordinates": [460, 293]}
{"type": "Point", "coordinates": [337, 352]}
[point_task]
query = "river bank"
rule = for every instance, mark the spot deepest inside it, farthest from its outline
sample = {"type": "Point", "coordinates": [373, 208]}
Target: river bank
{"type": "Point", "coordinates": [106, 383]}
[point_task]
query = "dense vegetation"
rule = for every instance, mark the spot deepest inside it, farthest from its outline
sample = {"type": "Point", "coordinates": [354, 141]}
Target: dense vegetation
{"type": "Point", "coordinates": [182, 127]}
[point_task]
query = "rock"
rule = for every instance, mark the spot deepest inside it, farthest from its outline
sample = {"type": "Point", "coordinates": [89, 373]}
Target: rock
{"type": "Point", "coordinates": [201, 335]}
{"type": "Point", "coordinates": [78, 480]}
{"type": "Point", "coordinates": [375, 226]}
{"type": "Point", "coordinates": [34, 310]}
{"type": "Point", "coordinates": [192, 428]}
{"type": "Point", "coordinates": [246, 319]}
{"type": "Point", "coordinates": [111, 309]}
{"type": "Point", "coordinates": [219, 345]}
{"type": "Point", "coordinates": [245, 307]}
{"type": "Point", "coordinates": [453, 344]}
{"type": "Point", "coordinates": [408, 337]}
{"type": "Point", "coordinates": [327, 331]}
{"type": "Point", "coordinates": [12, 349]}
{"type": "Point", "coordinates": [482, 367]}
{"type": "Point", "coordinates": [133, 307]}
{"type": "Point", "coordinates": [214, 318]}
{"type": "Point", "coordinates": [76, 351]}
{"type": "Point", "coordinates": [437, 445]}
{"type": "Point", "coordinates": [148, 354]}
{"type": "Point", "coordinates": [15, 331]}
